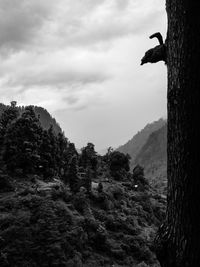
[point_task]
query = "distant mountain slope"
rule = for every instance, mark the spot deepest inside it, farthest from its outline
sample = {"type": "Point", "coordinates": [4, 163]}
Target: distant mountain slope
{"type": "Point", "coordinates": [153, 157]}
{"type": "Point", "coordinates": [133, 146]}
{"type": "Point", "coordinates": [45, 118]}
{"type": "Point", "coordinates": [154, 149]}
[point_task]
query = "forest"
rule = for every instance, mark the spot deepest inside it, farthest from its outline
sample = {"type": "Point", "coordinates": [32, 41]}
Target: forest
{"type": "Point", "coordinates": [64, 208]}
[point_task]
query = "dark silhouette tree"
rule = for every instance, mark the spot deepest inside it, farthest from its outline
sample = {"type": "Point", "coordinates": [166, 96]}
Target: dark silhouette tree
{"type": "Point", "coordinates": [119, 165]}
{"type": "Point", "coordinates": [119, 161]}
{"type": "Point", "coordinates": [89, 157]}
{"type": "Point", "coordinates": [88, 180]}
{"type": "Point", "coordinates": [139, 177]}
{"type": "Point", "coordinates": [22, 142]}
{"type": "Point", "coordinates": [178, 240]}
{"type": "Point", "coordinates": [107, 156]}
{"type": "Point", "coordinates": [53, 150]}
{"type": "Point", "coordinates": [47, 154]}
{"type": "Point", "coordinates": [62, 147]}
{"type": "Point", "coordinates": [68, 154]}
{"type": "Point", "coordinates": [72, 175]}
{"type": "Point", "coordinates": [138, 171]}
{"type": "Point", "coordinates": [9, 114]}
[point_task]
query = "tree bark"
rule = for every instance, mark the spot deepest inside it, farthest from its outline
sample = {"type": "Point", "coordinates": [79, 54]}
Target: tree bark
{"type": "Point", "coordinates": [178, 241]}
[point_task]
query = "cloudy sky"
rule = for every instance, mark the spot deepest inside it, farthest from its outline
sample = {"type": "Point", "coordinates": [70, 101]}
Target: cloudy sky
{"type": "Point", "coordinates": [80, 59]}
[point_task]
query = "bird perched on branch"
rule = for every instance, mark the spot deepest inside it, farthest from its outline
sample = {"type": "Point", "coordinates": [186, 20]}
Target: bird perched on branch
{"type": "Point", "coordinates": [158, 53]}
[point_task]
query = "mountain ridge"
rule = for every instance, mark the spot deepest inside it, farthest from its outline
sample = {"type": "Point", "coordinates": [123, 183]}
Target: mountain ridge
{"type": "Point", "coordinates": [148, 148]}
{"type": "Point", "coordinates": [45, 117]}
{"type": "Point", "coordinates": [153, 157]}
{"type": "Point", "coordinates": [135, 144]}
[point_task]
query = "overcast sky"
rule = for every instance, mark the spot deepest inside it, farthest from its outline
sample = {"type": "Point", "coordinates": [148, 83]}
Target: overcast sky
{"type": "Point", "coordinates": [80, 59]}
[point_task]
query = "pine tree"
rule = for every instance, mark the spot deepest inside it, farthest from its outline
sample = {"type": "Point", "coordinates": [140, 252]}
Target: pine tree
{"type": "Point", "coordinates": [88, 180]}
{"type": "Point", "coordinates": [72, 175]}
{"type": "Point", "coordinates": [51, 160]}
{"type": "Point", "coordinates": [22, 142]}
{"type": "Point", "coordinates": [53, 148]}
{"type": "Point", "coordinates": [10, 114]}
{"type": "Point", "coordinates": [68, 154]}
{"type": "Point", "coordinates": [89, 157]}
{"type": "Point", "coordinates": [45, 156]}
{"type": "Point", "coordinates": [62, 147]}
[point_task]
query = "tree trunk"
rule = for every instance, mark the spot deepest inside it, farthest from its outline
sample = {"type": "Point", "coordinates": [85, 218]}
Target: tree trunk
{"type": "Point", "coordinates": [178, 241]}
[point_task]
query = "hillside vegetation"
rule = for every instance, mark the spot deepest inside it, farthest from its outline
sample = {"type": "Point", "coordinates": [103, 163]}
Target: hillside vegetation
{"type": "Point", "coordinates": [45, 118]}
{"type": "Point", "coordinates": [59, 207]}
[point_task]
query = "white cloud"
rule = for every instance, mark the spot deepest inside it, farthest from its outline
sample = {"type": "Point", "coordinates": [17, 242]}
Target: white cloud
{"type": "Point", "coordinates": [72, 56]}
{"type": "Point", "coordinates": [41, 25]}
{"type": "Point", "coordinates": [20, 23]}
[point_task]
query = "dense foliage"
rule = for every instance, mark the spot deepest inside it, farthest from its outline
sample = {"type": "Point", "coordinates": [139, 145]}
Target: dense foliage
{"type": "Point", "coordinates": [63, 208]}
{"type": "Point", "coordinates": [44, 116]}
{"type": "Point", "coordinates": [45, 224]}
{"type": "Point", "coordinates": [28, 148]}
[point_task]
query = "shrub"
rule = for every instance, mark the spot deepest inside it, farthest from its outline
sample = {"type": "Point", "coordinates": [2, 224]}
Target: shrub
{"type": "Point", "coordinates": [60, 192]}
{"type": "Point", "coordinates": [5, 184]}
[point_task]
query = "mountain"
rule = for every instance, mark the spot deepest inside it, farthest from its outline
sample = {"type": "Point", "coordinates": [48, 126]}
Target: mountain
{"type": "Point", "coordinates": [153, 157]}
{"type": "Point", "coordinates": [148, 148]}
{"type": "Point", "coordinates": [154, 149]}
{"type": "Point", "coordinates": [133, 146]}
{"type": "Point", "coordinates": [45, 118]}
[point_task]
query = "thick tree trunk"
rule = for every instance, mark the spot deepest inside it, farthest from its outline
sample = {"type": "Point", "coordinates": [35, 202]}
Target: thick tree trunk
{"type": "Point", "coordinates": [179, 237]}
